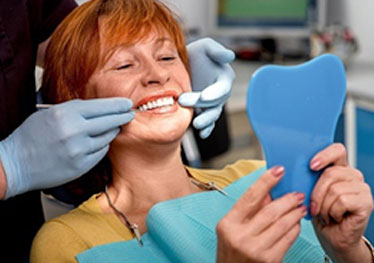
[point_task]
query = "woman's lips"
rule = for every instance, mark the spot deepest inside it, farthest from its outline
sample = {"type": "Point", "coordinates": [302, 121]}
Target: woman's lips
{"type": "Point", "coordinates": [161, 110]}
{"type": "Point", "coordinates": [154, 97]}
{"type": "Point", "coordinates": [159, 103]}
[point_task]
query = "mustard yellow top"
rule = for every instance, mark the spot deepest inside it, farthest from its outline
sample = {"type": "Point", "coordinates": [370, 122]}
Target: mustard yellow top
{"type": "Point", "coordinates": [62, 238]}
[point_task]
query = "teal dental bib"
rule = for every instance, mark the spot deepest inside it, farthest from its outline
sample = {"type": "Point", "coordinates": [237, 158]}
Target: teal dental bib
{"type": "Point", "coordinates": [293, 111]}
{"type": "Point", "coordinates": [183, 230]}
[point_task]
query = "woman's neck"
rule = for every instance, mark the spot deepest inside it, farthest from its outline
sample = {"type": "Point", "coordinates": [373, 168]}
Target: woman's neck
{"type": "Point", "coordinates": [142, 178]}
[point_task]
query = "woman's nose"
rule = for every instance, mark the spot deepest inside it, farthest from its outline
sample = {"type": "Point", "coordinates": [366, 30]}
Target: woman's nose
{"type": "Point", "coordinates": [154, 74]}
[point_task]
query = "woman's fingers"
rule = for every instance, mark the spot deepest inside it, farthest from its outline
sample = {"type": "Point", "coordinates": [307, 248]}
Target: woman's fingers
{"type": "Point", "coordinates": [329, 177]}
{"type": "Point", "coordinates": [243, 241]}
{"type": "Point", "coordinates": [251, 202]}
{"type": "Point", "coordinates": [358, 203]}
{"type": "Point", "coordinates": [338, 195]}
{"type": "Point", "coordinates": [271, 213]}
{"type": "Point", "coordinates": [256, 224]}
{"type": "Point", "coordinates": [334, 154]}
{"type": "Point", "coordinates": [286, 241]}
{"type": "Point", "coordinates": [342, 223]}
{"type": "Point", "coordinates": [272, 244]}
{"type": "Point", "coordinates": [280, 227]}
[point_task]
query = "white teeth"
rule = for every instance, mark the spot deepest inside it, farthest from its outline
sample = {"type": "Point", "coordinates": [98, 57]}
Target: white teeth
{"type": "Point", "coordinates": [160, 102]}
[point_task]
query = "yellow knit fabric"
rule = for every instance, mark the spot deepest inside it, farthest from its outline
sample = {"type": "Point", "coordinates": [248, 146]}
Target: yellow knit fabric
{"type": "Point", "coordinates": [62, 238]}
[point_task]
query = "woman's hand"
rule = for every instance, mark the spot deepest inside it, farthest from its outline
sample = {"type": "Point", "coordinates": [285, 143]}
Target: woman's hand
{"type": "Point", "coordinates": [258, 229]}
{"type": "Point", "coordinates": [342, 203]}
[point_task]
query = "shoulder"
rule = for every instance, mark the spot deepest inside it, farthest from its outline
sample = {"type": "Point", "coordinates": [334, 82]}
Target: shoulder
{"type": "Point", "coordinates": [56, 241]}
{"type": "Point", "coordinates": [229, 174]}
{"type": "Point", "coordinates": [62, 238]}
{"type": "Point", "coordinates": [243, 167]}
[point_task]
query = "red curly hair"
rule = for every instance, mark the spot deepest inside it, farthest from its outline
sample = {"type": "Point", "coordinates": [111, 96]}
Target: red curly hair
{"type": "Point", "coordinates": [92, 32]}
{"type": "Point", "coordinates": [83, 42]}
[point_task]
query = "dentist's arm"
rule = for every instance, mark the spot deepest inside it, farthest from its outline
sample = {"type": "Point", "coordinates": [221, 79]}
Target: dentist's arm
{"type": "Point", "coordinates": [212, 79]}
{"type": "Point", "coordinates": [59, 144]}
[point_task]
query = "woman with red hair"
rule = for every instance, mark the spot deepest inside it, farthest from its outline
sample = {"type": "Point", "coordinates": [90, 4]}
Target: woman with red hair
{"type": "Point", "coordinates": [135, 49]}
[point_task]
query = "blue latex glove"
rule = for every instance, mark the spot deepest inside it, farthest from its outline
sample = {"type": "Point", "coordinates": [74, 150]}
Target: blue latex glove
{"type": "Point", "coordinates": [59, 144]}
{"type": "Point", "coordinates": [212, 79]}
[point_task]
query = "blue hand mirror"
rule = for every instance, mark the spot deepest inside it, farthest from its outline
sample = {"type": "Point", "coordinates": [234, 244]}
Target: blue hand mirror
{"type": "Point", "coordinates": [293, 111]}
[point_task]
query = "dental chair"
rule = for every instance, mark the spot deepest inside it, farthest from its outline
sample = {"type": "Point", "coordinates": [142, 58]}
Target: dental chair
{"type": "Point", "coordinates": [52, 207]}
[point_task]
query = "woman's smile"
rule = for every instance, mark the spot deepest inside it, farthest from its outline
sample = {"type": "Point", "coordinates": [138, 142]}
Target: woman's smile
{"type": "Point", "coordinates": [161, 103]}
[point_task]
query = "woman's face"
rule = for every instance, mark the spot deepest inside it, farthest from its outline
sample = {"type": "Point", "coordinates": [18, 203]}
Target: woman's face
{"type": "Point", "coordinates": [152, 75]}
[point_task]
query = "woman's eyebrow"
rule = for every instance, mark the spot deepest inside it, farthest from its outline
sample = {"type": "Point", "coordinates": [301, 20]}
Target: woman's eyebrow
{"type": "Point", "coordinates": [162, 40]}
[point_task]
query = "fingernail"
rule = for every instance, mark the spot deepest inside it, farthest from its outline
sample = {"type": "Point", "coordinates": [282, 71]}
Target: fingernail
{"type": "Point", "coordinates": [277, 171]}
{"type": "Point", "coordinates": [300, 197]}
{"type": "Point", "coordinates": [313, 208]}
{"type": "Point", "coordinates": [315, 164]}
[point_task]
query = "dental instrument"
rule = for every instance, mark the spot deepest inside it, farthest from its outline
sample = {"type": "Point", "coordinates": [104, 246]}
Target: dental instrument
{"type": "Point", "coordinates": [41, 106]}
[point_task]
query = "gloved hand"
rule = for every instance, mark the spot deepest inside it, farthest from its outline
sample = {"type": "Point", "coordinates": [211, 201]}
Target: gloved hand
{"type": "Point", "coordinates": [56, 145]}
{"type": "Point", "coordinates": [212, 79]}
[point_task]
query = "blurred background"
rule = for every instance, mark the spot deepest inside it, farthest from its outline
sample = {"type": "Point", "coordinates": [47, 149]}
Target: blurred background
{"type": "Point", "coordinates": [286, 32]}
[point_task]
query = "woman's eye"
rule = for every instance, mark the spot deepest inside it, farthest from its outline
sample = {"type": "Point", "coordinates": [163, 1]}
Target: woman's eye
{"type": "Point", "coordinates": [168, 58]}
{"type": "Point", "coordinates": [125, 66]}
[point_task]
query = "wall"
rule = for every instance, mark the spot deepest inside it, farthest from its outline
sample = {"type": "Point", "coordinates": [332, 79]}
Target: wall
{"type": "Point", "coordinates": [359, 15]}
{"type": "Point", "coordinates": [194, 13]}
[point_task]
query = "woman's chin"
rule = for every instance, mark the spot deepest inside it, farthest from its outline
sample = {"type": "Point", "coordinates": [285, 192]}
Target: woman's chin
{"type": "Point", "coordinates": [162, 136]}
{"type": "Point", "coordinates": [167, 137]}
{"type": "Point", "coordinates": [157, 130]}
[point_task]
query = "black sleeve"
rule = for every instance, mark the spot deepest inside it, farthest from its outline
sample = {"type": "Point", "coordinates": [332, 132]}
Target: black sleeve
{"type": "Point", "coordinates": [45, 15]}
